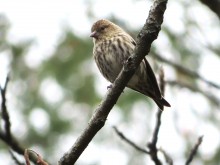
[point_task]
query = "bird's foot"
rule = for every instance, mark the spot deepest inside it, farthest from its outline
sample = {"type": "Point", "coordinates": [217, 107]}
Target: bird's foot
{"type": "Point", "coordinates": [109, 86]}
{"type": "Point", "coordinates": [129, 63]}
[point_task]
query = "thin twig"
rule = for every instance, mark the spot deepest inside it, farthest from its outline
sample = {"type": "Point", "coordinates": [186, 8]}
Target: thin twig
{"type": "Point", "coordinates": [153, 144]}
{"type": "Point", "coordinates": [159, 112]}
{"type": "Point", "coordinates": [122, 136]}
{"type": "Point", "coordinates": [185, 70]}
{"type": "Point", "coordinates": [214, 5]}
{"type": "Point", "coordinates": [5, 134]}
{"type": "Point", "coordinates": [5, 115]}
{"type": "Point", "coordinates": [15, 158]}
{"type": "Point", "coordinates": [194, 150]}
{"type": "Point", "coordinates": [194, 88]}
{"type": "Point", "coordinates": [167, 157]}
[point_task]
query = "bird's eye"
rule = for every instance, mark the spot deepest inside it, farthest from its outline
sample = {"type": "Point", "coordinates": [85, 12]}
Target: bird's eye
{"type": "Point", "coordinates": [102, 28]}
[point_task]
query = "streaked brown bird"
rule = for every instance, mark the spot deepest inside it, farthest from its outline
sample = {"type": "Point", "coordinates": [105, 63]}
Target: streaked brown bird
{"type": "Point", "coordinates": [112, 47]}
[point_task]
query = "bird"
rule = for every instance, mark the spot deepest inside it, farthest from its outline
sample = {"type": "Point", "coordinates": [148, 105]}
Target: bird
{"type": "Point", "coordinates": [112, 47]}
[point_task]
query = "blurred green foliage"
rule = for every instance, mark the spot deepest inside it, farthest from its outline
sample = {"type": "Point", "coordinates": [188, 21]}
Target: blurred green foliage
{"type": "Point", "coordinates": [71, 69]}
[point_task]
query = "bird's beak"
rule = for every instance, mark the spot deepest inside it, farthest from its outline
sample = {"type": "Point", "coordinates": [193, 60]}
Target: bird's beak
{"type": "Point", "coordinates": [94, 34]}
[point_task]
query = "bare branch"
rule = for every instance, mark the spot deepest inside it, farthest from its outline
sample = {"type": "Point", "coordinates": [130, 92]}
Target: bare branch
{"type": "Point", "coordinates": [185, 70]}
{"type": "Point", "coordinates": [144, 40]}
{"type": "Point", "coordinates": [207, 94]}
{"type": "Point", "coordinates": [214, 5]}
{"type": "Point", "coordinates": [12, 143]}
{"type": "Point", "coordinates": [4, 112]}
{"type": "Point", "coordinates": [122, 136]}
{"type": "Point", "coordinates": [153, 144]}
{"type": "Point", "coordinates": [159, 112]}
{"type": "Point", "coordinates": [15, 158]}
{"type": "Point", "coordinates": [167, 157]}
{"type": "Point", "coordinates": [194, 150]}
{"type": "Point", "coordinates": [6, 135]}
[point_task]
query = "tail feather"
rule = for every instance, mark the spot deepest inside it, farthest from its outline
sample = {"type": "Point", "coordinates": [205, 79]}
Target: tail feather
{"type": "Point", "coordinates": [161, 103]}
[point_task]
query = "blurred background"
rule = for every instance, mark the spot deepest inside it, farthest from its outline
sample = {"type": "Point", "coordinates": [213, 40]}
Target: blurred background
{"type": "Point", "coordinates": [55, 85]}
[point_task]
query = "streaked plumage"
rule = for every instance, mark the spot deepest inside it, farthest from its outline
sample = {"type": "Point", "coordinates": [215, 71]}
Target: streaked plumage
{"type": "Point", "coordinates": [112, 47]}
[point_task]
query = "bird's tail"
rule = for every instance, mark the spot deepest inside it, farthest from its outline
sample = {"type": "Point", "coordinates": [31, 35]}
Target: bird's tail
{"type": "Point", "coordinates": [161, 103]}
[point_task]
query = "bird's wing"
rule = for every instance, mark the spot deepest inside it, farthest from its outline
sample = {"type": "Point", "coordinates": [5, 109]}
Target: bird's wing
{"type": "Point", "coordinates": [151, 79]}
{"type": "Point", "coordinates": [150, 86]}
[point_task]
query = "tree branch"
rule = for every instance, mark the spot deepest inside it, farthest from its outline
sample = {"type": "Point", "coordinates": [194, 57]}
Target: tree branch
{"type": "Point", "coordinates": [6, 135]}
{"type": "Point", "coordinates": [122, 136]}
{"type": "Point", "coordinates": [15, 158]}
{"type": "Point", "coordinates": [167, 157]}
{"type": "Point", "coordinates": [153, 144]}
{"type": "Point", "coordinates": [159, 113]}
{"type": "Point", "coordinates": [214, 5]}
{"type": "Point", "coordinates": [194, 150]}
{"type": "Point", "coordinates": [145, 38]}
{"type": "Point", "coordinates": [207, 94]}
{"type": "Point", "coordinates": [5, 116]}
{"type": "Point", "coordinates": [185, 70]}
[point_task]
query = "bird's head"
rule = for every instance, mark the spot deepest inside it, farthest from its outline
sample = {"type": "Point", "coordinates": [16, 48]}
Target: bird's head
{"type": "Point", "coordinates": [104, 29]}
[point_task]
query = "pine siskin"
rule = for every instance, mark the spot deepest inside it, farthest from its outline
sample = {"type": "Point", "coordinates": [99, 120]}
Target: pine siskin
{"type": "Point", "coordinates": [112, 47]}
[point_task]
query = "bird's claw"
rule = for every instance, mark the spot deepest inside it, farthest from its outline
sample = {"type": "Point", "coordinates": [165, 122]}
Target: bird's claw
{"type": "Point", "coordinates": [109, 86]}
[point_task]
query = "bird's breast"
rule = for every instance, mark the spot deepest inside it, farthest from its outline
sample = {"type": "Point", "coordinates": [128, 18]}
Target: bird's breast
{"type": "Point", "coordinates": [107, 61]}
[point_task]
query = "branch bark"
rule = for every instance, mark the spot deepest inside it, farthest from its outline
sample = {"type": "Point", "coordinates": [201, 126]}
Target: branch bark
{"type": "Point", "coordinates": [214, 5]}
{"type": "Point", "coordinates": [145, 38]}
